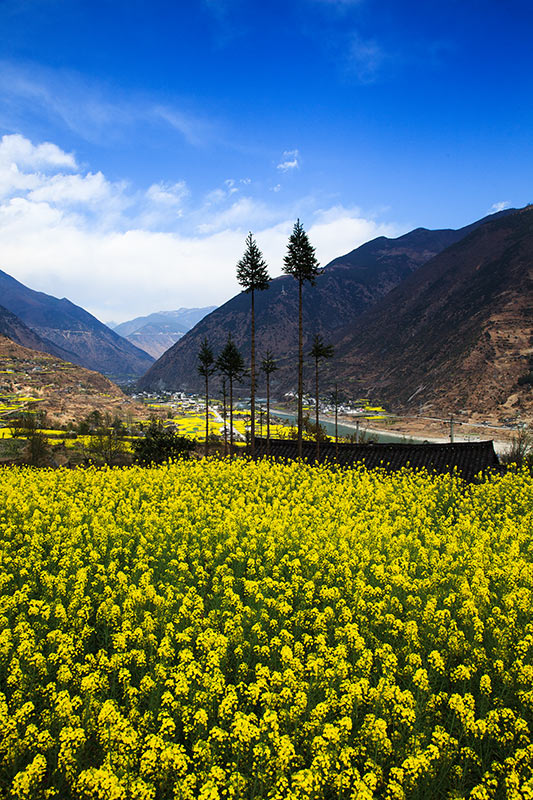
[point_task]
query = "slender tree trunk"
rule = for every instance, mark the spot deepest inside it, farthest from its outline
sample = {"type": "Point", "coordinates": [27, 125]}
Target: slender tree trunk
{"type": "Point", "coordinates": [206, 415]}
{"type": "Point", "coordinates": [252, 371]}
{"type": "Point", "coordinates": [268, 415]}
{"type": "Point", "coordinates": [300, 369]}
{"type": "Point", "coordinates": [231, 417]}
{"type": "Point", "coordinates": [336, 423]}
{"type": "Point", "coordinates": [316, 412]}
{"type": "Point", "coordinates": [225, 417]}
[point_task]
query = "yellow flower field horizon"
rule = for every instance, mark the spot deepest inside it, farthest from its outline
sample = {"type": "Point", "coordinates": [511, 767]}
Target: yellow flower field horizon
{"type": "Point", "coordinates": [213, 629]}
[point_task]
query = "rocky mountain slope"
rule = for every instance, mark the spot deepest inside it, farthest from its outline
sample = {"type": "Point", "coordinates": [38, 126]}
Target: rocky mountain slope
{"type": "Point", "coordinates": [457, 335]}
{"type": "Point", "coordinates": [348, 286]}
{"type": "Point", "coordinates": [157, 332]}
{"type": "Point", "coordinates": [64, 390]}
{"type": "Point", "coordinates": [13, 328]}
{"type": "Point", "coordinates": [88, 341]}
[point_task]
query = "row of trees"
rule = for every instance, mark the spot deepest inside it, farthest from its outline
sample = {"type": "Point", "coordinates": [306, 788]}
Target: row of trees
{"type": "Point", "coordinates": [252, 274]}
{"type": "Point", "coordinates": [230, 365]}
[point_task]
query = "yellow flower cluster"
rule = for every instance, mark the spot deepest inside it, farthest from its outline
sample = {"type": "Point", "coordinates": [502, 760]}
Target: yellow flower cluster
{"type": "Point", "coordinates": [218, 630]}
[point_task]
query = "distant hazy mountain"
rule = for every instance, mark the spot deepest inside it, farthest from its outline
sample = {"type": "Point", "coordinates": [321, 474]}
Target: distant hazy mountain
{"type": "Point", "coordinates": [349, 286]}
{"type": "Point", "coordinates": [457, 334]}
{"type": "Point", "coordinates": [157, 332]}
{"type": "Point", "coordinates": [83, 339]}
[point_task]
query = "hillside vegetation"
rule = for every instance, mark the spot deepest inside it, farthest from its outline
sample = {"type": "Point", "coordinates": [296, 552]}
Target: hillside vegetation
{"type": "Point", "coordinates": [63, 389]}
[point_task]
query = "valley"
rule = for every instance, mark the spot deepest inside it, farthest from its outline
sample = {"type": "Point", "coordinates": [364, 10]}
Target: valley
{"type": "Point", "coordinates": [434, 324]}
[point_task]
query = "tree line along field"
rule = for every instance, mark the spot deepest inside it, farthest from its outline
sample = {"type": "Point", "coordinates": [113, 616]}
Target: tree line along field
{"type": "Point", "coordinates": [215, 629]}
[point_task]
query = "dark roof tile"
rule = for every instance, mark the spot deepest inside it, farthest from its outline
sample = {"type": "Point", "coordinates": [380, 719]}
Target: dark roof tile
{"type": "Point", "coordinates": [468, 458]}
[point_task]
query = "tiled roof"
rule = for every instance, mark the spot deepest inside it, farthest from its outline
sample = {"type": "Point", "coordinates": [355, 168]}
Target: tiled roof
{"type": "Point", "coordinates": [469, 458]}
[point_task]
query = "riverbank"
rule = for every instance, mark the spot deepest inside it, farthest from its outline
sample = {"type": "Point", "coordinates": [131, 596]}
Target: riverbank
{"type": "Point", "coordinates": [415, 430]}
{"type": "Point", "coordinates": [419, 430]}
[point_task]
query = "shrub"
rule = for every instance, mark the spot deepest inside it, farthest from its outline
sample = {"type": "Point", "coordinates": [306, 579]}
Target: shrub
{"type": "Point", "coordinates": [160, 444]}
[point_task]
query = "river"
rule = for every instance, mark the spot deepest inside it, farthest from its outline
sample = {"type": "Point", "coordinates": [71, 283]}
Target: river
{"type": "Point", "coordinates": [346, 430]}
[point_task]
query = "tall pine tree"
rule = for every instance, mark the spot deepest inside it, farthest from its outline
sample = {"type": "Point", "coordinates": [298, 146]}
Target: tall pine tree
{"type": "Point", "coordinates": [206, 367]}
{"type": "Point", "coordinates": [319, 351]}
{"type": "Point", "coordinates": [253, 276]}
{"type": "Point", "coordinates": [268, 365]}
{"type": "Point", "coordinates": [231, 364]}
{"type": "Point", "coordinates": [301, 263]}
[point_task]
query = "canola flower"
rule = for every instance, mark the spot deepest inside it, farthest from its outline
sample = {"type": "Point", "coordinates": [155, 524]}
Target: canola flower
{"type": "Point", "coordinates": [218, 629]}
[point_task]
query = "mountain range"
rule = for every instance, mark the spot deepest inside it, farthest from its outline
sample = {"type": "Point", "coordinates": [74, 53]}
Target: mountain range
{"type": "Point", "coordinates": [362, 291]}
{"type": "Point", "coordinates": [456, 335]}
{"type": "Point", "coordinates": [67, 330]}
{"type": "Point", "coordinates": [157, 332]}
{"type": "Point", "coordinates": [436, 320]}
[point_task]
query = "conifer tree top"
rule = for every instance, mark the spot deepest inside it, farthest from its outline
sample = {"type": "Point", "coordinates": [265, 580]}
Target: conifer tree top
{"type": "Point", "coordinates": [252, 271]}
{"type": "Point", "coordinates": [206, 359]}
{"type": "Point", "coordinates": [300, 261]}
{"type": "Point", "coordinates": [268, 364]}
{"type": "Point", "coordinates": [230, 362]}
{"type": "Point", "coordinates": [320, 349]}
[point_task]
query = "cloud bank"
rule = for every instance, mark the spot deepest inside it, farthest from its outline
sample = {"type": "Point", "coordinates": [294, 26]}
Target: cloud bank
{"type": "Point", "coordinates": [120, 251]}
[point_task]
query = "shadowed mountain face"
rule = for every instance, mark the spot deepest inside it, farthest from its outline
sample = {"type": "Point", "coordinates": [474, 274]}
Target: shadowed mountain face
{"type": "Point", "coordinates": [348, 286]}
{"type": "Point", "coordinates": [457, 334]}
{"type": "Point", "coordinates": [83, 339]}
{"type": "Point", "coordinates": [14, 329]}
{"type": "Point", "coordinates": [157, 332]}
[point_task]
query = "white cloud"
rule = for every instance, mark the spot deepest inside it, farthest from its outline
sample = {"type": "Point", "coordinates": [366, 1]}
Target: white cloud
{"type": "Point", "coordinates": [495, 207]}
{"type": "Point", "coordinates": [193, 129]}
{"type": "Point", "coordinates": [121, 252]}
{"type": "Point", "coordinates": [167, 194]}
{"type": "Point", "coordinates": [291, 160]}
{"type": "Point", "coordinates": [13, 180]}
{"type": "Point", "coordinates": [19, 160]}
{"type": "Point", "coordinates": [243, 213]}
{"type": "Point", "coordinates": [95, 112]}
{"type": "Point", "coordinates": [68, 190]}
{"type": "Point", "coordinates": [218, 197]}
{"type": "Point", "coordinates": [230, 184]}
{"type": "Point", "coordinates": [16, 149]}
{"type": "Point", "coordinates": [337, 230]}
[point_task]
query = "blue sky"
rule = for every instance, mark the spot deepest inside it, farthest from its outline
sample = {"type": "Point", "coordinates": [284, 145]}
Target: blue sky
{"type": "Point", "coordinates": [141, 141]}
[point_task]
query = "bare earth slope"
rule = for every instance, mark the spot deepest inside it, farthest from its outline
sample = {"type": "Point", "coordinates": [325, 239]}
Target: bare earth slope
{"type": "Point", "coordinates": [455, 336]}
{"type": "Point", "coordinates": [66, 391]}
{"type": "Point", "coordinates": [348, 286]}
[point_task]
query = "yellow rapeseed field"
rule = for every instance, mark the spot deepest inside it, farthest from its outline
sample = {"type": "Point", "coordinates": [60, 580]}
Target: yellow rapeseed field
{"type": "Point", "coordinates": [213, 630]}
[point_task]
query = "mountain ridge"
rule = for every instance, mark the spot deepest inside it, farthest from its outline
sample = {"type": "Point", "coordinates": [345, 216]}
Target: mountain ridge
{"type": "Point", "coordinates": [17, 331]}
{"type": "Point", "coordinates": [348, 286]}
{"type": "Point", "coordinates": [156, 332]}
{"type": "Point", "coordinates": [456, 335]}
{"type": "Point", "coordinates": [89, 342]}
